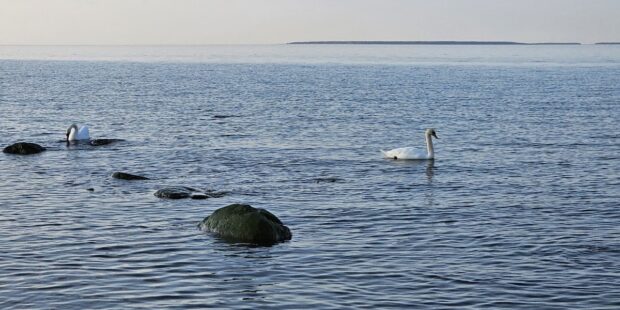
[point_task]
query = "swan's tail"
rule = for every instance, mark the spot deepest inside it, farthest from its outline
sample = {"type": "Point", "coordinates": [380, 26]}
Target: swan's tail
{"type": "Point", "coordinates": [384, 153]}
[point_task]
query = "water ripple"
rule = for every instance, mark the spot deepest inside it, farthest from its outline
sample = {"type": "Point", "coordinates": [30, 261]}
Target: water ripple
{"type": "Point", "coordinates": [519, 211]}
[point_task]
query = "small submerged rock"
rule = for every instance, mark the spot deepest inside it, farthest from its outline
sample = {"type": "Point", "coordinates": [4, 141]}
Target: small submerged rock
{"type": "Point", "coordinates": [244, 223]}
{"type": "Point", "coordinates": [23, 148]}
{"type": "Point", "coordinates": [215, 194]}
{"type": "Point", "coordinates": [128, 176]}
{"type": "Point", "coordinates": [327, 180]}
{"type": "Point", "coordinates": [199, 196]}
{"type": "Point", "coordinates": [182, 192]}
{"type": "Point", "coordinates": [98, 142]}
{"type": "Point", "coordinates": [177, 192]}
{"type": "Point", "coordinates": [224, 116]}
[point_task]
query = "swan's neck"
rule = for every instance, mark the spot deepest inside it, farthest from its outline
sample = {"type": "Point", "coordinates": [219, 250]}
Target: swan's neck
{"type": "Point", "coordinates": [429, 147]}
{"type": "Point", "coordinates": [72, 133]}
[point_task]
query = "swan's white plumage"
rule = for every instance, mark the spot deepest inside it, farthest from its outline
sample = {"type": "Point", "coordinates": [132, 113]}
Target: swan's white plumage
{"type": "Point", "coordinates": [405, 153]}
{"type": "Point", "coordinates": [413, 153]}
{"type": "Point", "coordinates": [76, 134]}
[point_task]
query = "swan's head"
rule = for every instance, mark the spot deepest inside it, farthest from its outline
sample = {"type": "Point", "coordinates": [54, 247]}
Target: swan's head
{"type": "Point", "coordinates": [71, 128]}
{"type": "Point", "coordinates": [431, 132]}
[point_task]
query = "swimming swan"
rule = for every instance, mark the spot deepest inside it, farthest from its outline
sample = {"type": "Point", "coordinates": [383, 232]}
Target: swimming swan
{"type": "Point", "coordinates": [75, 134]}
{"type": "Point", "coordinates": [411, 153]}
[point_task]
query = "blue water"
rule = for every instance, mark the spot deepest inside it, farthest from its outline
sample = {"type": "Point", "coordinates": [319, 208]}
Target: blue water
{"type": "Point", "coordinates": [519, 210]}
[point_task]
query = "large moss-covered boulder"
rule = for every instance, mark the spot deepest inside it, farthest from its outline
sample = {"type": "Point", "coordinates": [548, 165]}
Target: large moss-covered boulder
{"type": "Point", "coordinates": [23, 148]}
{"type": "Point", "coordinates": [243, 223]}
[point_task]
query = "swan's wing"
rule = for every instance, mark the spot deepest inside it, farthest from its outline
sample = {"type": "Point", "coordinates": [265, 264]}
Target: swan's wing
{"type": "Point", "coordinates": [404, 153]}
{"type": "Point", "coordinates": [83, 133]}
{"type": "Point", "coordinates": [395, 153]}
{"type": "Point", "coordinates": [412, 153]}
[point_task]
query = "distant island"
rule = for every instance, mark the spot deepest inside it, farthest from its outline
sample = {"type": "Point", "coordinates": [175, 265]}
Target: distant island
{"type": "Point", "coordinates": [433, 43]}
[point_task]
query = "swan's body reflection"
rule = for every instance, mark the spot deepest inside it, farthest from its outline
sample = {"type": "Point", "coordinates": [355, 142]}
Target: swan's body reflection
{"type": "Point", "coordinates": [429, 200]}
{"type": "Point", "coordinates": [429, 164]}
{"type": "Point", "coordinates": [430, 170]}
{"type": "Point", "coordinates": [424, 188]}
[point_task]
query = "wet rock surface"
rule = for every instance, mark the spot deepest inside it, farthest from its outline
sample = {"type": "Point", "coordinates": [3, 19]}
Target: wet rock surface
{"type": "Point", "coordinates": [199, 196]}
{"type": "Point", "coordinates": [244, 223]}
{"type": "Point", "coordinates": [182, 192]}
{"type": "Point", "coordinates": [128, 176]}
{"type": "Point", "coordinates": [99, 142]}
{"type": "Point", "coordinates": [328, 180]}
{"type": "Point", "coordinates": [23, 148]}
{"type": "Point", "coordinates": [176, 192]}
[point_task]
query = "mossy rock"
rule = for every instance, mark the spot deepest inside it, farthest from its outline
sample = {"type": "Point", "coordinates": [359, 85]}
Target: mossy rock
{"type": "Point", "coordinates": [244, 223]}
{"type": "Point", "coordinates": [23, 148]}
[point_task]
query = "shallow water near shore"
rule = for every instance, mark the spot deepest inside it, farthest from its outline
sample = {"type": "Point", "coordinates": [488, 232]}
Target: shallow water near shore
{"type": "Point", "coordinates": [518, 211]}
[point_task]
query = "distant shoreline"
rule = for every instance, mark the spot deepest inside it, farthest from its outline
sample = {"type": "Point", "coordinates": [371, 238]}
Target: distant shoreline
{"type": "Point", "coordinates": [436, 43]}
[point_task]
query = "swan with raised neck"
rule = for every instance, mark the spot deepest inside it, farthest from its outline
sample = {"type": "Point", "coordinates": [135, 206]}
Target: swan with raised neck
{"type": "Point", "coordinates": [412, 153]}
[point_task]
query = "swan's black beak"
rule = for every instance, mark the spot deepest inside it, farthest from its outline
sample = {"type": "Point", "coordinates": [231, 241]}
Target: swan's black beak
{"type": "Point", "coordinates": [434, 135]}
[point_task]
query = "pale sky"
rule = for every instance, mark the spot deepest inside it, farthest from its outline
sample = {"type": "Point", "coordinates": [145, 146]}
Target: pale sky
{"type": "Point", "coordinates": [279, 21]}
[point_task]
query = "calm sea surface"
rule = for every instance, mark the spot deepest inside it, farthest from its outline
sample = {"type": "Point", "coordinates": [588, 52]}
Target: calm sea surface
{"type": "Point", "coordinates": [520, 210]}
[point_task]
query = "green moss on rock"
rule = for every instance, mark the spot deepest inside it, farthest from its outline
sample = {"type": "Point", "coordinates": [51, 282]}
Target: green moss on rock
{"type": "Point", "coordinates": [244, 223]}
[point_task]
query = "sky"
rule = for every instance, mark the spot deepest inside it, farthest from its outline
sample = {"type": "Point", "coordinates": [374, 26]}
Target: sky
{"type": "Point", "coordinates": [189, 22]}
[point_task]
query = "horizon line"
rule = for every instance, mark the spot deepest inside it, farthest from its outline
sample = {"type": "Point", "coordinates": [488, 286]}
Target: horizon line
{"type": "Point", "coordinates": [327, 42]}
{"type": "Point", "coordinates": [440, 42]}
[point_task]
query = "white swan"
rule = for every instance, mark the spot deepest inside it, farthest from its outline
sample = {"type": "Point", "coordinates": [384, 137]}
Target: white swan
{"type": "Point", "coordinates": [75, 134]}
{"type": "Point", "coordinates": [412, 153]}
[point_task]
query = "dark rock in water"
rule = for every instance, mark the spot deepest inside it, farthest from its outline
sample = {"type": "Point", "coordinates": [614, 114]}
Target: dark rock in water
{"type": "Point", "coordinates": [191, 189]}
{"type": "Point", "coordinates": [177, 192]}
{"type": "Point", "coordinates": [182, 192]}
{"type": "Point", "coordinates": [207, 194]}
{"type": "Point", "coordinates": [98, 142]}
{"type": "Point", "coordinates": [327, 180]}
{"type": "Point", "coordinates": [243, 223]}
{"type": "Point", "coordinates": [127, 176]}
{"type": "Point", "coordinates": [23, 148]}
{"type": "Point", "coordinates": [199, 196]}
{"type": "Point", "coordinates": [90, 189]}
{"type": "Point", "coordinates": [215, 194]}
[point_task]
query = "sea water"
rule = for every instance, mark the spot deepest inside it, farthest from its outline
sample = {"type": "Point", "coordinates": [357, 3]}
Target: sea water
{"type": "Point", "coordinates": [519, 210]}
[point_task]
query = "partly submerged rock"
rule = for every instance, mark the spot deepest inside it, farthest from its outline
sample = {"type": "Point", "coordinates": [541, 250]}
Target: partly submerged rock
{"type": "Point", "coordinates": [224, 116]}
{"type": "Point", "coordinates": [23, 148]}
{"type": "Point", "coordinates": [215, 194]}
{"type": "Point", "coordinates": [244, 223]}
{"type": "Point", "coordinates": [327, 180]}
{"type": "Point", "coordinates": [199, 196]}
{"type": "Point", "coordinates": [182, 192]}
{"type": "Point", "coordinates": [176, 192]}
{"type": "Point", "coordinates": [98, 142]}
{"type": "Point", "coordinates": [128, 176]}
